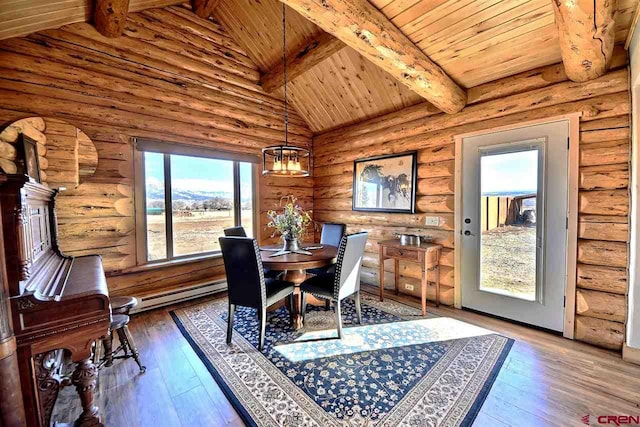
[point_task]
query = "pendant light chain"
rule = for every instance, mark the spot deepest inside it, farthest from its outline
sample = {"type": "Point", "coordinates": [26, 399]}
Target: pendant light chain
{"type": "Point", "coordinates": [285, 159]}
{"type": "Point", "coordinates": [284, 73]}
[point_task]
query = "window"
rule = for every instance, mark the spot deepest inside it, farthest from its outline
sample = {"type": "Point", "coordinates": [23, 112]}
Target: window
{"type": "Point", "coordinates": [189, 200]}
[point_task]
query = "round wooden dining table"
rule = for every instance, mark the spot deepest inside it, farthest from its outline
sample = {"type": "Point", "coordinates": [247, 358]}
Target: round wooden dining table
{"type": "Point", "coordinates": [295, 265]}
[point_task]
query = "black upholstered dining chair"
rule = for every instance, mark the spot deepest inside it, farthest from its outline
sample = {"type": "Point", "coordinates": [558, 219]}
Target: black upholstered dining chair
{"type": "Point", "coordinates": [247, 286]}
{"type": "Point", "coordinates": [344, 282]}
{"type": "Point", "coordinates": [239, 231]}
{"type": "Point", "coordinates": [332, 234]}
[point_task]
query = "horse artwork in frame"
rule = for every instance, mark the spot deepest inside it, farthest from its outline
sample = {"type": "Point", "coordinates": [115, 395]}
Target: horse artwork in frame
{"type": "Point", "coordinates": [385, 183]}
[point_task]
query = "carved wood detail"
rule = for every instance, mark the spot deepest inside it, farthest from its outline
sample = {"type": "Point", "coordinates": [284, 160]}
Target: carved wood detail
{"type": "Point", "coordinates": [49, 382]}
{"type": "Point", "coordinates": [84, 378]}
{"type": "Point", "coordinates": [24, 259]}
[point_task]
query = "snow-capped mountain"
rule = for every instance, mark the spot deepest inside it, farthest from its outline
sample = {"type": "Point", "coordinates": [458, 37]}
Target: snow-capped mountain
{"type": "Point", "coordinates": [156, 192]}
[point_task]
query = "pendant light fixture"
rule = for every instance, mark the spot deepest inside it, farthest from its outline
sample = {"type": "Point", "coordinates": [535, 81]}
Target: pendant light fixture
{"type": "Point", "coordinates": [285, 160]}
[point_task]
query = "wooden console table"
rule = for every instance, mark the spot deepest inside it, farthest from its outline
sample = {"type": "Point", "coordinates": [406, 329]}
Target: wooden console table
{"type": "Point", "coordinates": [426, 254]}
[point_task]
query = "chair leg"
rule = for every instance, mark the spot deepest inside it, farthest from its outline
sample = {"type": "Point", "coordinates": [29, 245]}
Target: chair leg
{"type": "Point", "coordinates": [123, 341]}
{"type": "Point", "coordinates": [126, 334]}
{"type": "Point", "coordinates": [338, 318]}
{"type": "Point", "coordinates": [107, 342]}
{"type": "Point", "coordinates": [232, 310]}
{"type": "Point", "coordinates": [263, 326]}
{"type": "Point", "coordinates": [358, 308]}
{"type": "Point", "coordinates": [292, 314]}
{"type": "Point", "coordinates": [303, 305]}
{"type": "Point", "coordinates": [327, 305]}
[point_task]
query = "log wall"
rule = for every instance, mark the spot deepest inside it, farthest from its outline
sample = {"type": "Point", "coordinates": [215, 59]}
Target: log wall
{"type": "Point", "coordinates": [70, 151]}
{"type": "Point", "coordinates": [193, 85]}
{"type": "Point", "coordinates": [545, 92]}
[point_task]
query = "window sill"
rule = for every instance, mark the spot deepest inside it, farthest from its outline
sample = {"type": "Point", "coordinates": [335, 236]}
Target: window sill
{"type": "Point", "coordinates": [165, 264]}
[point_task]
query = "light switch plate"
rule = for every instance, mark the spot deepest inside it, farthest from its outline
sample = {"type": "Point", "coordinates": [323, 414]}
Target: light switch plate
{"type": "Point", "coordinates": [433, 221]}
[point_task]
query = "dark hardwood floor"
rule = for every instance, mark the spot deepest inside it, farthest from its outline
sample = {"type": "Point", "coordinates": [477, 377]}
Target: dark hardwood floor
{"type": "Point", "coordinates": [546, 380]}
{"type": "Point", "coordinates": [176, 389]}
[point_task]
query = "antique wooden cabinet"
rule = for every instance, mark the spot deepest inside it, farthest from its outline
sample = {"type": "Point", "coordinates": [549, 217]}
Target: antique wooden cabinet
{"type": "Point", "coordinates": [11, 406]}
{"type": "Point", "coordinates": [58, 303]}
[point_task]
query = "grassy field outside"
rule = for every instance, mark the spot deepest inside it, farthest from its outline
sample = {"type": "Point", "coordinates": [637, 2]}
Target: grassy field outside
{"type": "Point", "coordinates": [508, 260]}
{"type": "Point", "coordinates": [508, 256]}
{"type": "Point", "coordinates": [194, 231]}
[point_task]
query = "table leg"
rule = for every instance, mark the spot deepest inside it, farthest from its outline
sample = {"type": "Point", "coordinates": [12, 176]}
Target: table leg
{"type": "Point", "coordinates": [296, 277]}
{"type": "Point", "coordinates": [396, 275]}
{"type": "Point", "coordinates": [381, 274]}
{"type": "Point", "coordinates": [438, 286]}
{"type": "Point", "coordinates": [297, 313]}
{"type": "Point", "coordinates": [423, 291]}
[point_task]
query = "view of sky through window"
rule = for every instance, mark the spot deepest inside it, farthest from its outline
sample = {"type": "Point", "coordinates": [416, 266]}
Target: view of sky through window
{"type": "Point", "coordinates": [510, 173]}
{"type": "Point", "coordinates": [202, 203]}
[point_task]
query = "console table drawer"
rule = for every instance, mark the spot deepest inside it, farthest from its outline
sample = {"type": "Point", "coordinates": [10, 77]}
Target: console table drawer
{"type": "Point", "coordinates": [408, 254]}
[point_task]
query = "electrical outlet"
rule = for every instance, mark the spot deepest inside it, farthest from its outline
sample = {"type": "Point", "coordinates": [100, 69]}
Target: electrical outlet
{"type": "Point", "coordinates": [433, 221]}
{"type": "Point", "coordinates": [408, 287]}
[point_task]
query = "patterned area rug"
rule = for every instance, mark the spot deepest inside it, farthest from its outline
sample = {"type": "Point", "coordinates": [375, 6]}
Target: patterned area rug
{"type": "Point", "coordinates": [397, 368]}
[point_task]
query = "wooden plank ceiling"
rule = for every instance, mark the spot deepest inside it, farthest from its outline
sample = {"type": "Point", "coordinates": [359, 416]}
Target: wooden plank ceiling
{"type": "Point", "coordinates": [477, 41]}
{"type": "Point", "coordinates": [474, 41]}
{"type": "Point", "coordinates": [345, 88]}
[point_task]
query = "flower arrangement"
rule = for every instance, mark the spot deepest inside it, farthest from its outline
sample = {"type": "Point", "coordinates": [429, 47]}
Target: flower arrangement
{"type": "Point", "coordinates": [292, 223]}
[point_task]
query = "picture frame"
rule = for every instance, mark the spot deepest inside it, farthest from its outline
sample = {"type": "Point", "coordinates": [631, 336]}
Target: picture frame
{"type": "Point", "coordinates": [385, 183]}
{"type": "Point", "coordinates": [31, 161]}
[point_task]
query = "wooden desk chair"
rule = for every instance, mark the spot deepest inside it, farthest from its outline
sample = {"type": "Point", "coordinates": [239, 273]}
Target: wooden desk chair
{"type": "Point", "coordinates": [120, 307]}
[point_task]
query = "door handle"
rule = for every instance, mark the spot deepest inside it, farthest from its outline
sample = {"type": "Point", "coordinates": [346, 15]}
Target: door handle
{"type": "Point", "coordinates": [468, 233]}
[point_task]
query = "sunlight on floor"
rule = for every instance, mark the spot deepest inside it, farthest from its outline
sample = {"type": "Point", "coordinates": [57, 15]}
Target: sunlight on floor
{"type": "Point", "coordinates": [318, 344]}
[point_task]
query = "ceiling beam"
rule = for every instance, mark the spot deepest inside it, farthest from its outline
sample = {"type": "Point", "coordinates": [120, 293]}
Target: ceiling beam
{"type": "Point", "coordinates": [364, 28]}
{"type": "Point", "coordinates": [632, 29]}
{"type": "Point", "coordinates": [586, 29]}
{"type": "Point", "coordinates": [307, 56]}
{"type": "Point", "coordinates": [109, 17]}
{"type": "Point", "coordinates": [204, 8]}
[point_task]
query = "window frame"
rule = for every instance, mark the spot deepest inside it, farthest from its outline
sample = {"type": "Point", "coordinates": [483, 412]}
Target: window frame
{"type": "Point", "coordinates": [167, 150]}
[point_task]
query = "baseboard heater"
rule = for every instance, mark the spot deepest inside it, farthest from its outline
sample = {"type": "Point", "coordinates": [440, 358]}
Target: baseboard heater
{"type": "Point", "coordinates": [185, 294]}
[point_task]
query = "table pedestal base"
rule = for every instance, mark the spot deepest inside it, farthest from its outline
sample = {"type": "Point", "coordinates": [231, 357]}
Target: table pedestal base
{"type": "Point", "coordinates": [297, 277]}
{"type": "Point", "coordinates": [295, 265]}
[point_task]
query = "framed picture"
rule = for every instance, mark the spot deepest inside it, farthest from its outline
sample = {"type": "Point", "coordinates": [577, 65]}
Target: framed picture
{"type": "Point", "coordinates": [385, 183]}
{"type": "Point", "coordinates": [31, 163]}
